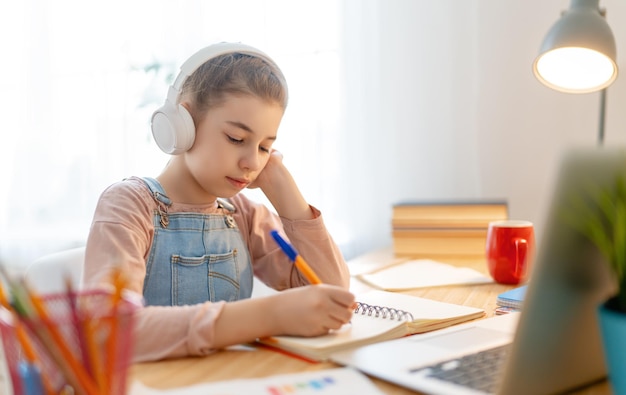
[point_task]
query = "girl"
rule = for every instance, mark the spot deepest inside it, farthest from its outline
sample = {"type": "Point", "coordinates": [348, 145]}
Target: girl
{"type": "Point", "coordinates": [190, 242]}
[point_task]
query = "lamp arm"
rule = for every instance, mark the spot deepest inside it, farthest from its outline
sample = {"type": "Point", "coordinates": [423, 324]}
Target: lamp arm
{"type": "Point", "coordinates": [602, 116]}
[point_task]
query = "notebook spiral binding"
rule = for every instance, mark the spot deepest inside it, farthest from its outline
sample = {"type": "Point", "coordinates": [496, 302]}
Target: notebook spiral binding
{"type": "Point", "coordinates": [382, 312]}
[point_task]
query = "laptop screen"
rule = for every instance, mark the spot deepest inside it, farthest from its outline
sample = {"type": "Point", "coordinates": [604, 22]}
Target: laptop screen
{"type": "Point", "coordinates": [557, 345]}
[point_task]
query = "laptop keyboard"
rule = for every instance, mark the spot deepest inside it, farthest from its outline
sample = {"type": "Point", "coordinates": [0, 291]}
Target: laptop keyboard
{"type": "Point", "coordinates": [479, 371]}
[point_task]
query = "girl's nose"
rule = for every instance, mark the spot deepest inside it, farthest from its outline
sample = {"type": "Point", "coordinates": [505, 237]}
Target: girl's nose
{"type": "Point", "coordinates": [250, 161]}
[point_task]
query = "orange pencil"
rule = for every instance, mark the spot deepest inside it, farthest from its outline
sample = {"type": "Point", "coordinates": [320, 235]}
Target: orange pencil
{"type": "Point", "coordinates": [111, 346]}
{"type": "Point", "coordinates": [89, 350]}
{"type": "Point", "coordinates": [80, 333]}
{"type": "Point", "coordinates": [306, 270]}
{"type": "Point", "coordinates": [296, 258]}
{"type": "Point", "coordinates": [95, 356]}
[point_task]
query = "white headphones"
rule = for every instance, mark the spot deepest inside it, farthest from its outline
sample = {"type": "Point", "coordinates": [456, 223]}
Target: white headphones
{"type": "Point", "coordinates": [172, 126]}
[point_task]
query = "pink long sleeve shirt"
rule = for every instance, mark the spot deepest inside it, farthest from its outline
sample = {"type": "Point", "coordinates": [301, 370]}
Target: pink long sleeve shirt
{"type": "Point", "coordinates": [122, 233]}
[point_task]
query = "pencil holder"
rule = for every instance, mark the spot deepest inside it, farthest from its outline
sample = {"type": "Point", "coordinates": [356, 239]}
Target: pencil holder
{"type": "Point", "coordinates": [82, 342]}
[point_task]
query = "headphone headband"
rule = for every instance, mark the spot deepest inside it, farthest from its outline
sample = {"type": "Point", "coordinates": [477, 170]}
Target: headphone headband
{"type": "Point", "coordinates": [172, 126]}
{"type": "Point", "coordinates": [205, 54]}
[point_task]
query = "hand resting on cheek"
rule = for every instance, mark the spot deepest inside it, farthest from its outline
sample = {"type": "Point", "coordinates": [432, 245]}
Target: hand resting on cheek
{"type": "Point", "coordinates": [270, 172]}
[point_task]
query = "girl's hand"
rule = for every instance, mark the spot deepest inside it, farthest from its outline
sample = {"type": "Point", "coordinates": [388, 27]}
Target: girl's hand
{"type": "Point", "coordinates": [281, 190]}
{"type": "Point", "coordinates": [312, 310]}
{"type": "Point", "coordinates": [273, 169]}
{"type": "Point", "coordinates": [305, 311]}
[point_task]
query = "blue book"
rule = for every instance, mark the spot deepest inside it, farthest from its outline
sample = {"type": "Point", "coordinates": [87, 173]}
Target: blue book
{"type": "Point", "coordinates": [512, 298]}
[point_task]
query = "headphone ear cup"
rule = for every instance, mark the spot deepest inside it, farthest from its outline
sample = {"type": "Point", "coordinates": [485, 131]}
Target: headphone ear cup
{"type": "Point", "coordinates": [173, 129]}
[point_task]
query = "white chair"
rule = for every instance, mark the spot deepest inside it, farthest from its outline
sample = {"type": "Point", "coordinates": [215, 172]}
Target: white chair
{"type": "Point", "coordinates": [47, 274]}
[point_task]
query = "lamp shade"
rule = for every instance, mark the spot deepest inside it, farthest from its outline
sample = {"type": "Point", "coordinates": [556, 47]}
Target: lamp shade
{"type": "Point", "coordinates": [578, 55]}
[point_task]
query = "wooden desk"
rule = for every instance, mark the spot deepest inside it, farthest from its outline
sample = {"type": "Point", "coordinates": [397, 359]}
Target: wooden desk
{"type": "Point", "coordinates": [254, 362]}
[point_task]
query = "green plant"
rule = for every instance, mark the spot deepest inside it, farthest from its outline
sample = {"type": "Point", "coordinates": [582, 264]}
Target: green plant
{"type": "Point", "coordinates": [601, 218]}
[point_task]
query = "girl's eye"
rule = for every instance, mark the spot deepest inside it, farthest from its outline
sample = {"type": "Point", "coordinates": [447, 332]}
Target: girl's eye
{"type": "Point", "coordinates": [237, 141]}
{"type": "Point", "coordinates": [234, 140]}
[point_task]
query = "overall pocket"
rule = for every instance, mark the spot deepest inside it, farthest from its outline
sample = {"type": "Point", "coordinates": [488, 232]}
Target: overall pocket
{"type": "Point", "coordinates": [212, 277]}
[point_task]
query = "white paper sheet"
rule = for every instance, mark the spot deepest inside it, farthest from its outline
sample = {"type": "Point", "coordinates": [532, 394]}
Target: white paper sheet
{"type": "Point", "coordinates": [421, 273]}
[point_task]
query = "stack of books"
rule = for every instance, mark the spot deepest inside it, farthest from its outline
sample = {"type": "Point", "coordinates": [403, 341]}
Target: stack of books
{"type": "Point", "coordinates": [444, 230]}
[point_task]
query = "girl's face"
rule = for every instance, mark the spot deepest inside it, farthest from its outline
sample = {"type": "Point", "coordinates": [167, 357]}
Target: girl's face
{"type": "Point", "coordinates": [232, 145]}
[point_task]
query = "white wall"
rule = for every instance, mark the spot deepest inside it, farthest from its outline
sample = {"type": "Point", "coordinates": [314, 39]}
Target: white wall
{"type": "Point", "coordinates": [447, 107]}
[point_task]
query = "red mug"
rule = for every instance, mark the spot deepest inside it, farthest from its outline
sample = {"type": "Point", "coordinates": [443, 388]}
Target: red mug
{"type": "Point", "coordinates": [510, 250]}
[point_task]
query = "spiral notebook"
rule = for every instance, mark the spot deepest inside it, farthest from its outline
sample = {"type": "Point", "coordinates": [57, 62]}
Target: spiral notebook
{"type": "Point", "coordinates": [379, 316]}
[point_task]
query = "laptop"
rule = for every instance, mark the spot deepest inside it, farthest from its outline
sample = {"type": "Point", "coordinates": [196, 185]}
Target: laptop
{"type": "Point", "coordinates": [553, 345]}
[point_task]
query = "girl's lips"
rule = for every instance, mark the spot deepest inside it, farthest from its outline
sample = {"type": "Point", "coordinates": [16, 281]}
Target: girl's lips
{"type": "Point", "coordinates": [240, 184]}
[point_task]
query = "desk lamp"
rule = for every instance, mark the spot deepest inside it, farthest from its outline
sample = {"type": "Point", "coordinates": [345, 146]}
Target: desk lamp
{"type": "Point", "coordinates": [578, 54]}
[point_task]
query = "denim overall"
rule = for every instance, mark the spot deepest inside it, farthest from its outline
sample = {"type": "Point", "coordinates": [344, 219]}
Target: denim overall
{"type": "Point", "coordinates": [195, 257]}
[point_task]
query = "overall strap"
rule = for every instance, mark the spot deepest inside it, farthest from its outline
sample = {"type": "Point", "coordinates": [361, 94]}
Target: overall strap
{"type": "Point", "coordinates": [225, 204]}
{"type": "Point", "coordinates": [158, 193]}
{"type": "Point", "coordinates": [157, 190]}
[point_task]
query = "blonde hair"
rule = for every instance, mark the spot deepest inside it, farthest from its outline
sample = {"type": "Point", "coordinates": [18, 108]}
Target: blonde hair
{"type": "Point", "coordinates": [233, 74]}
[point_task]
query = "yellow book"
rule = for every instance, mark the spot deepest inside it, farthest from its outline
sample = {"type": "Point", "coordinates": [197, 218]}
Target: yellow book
{"type": "Point", "coordinates": [380, 316]}
{"type": "Point", "coordinates": [437, 243]}
{"type": "Point", "coordinates": [461, 214]}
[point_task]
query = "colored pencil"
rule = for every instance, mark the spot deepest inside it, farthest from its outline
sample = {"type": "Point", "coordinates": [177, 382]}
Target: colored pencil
{"type": "Point", "coordinates": [50, 334]}
{"type": "Point", "coordinates": [296, 258]}
{"type": "Point", "coordinates": [112, 341]}
{"type": "Point", "coordinates": [25, 342]}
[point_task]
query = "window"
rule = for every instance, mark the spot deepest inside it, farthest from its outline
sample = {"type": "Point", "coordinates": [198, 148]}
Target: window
{"type": "Point", "coordinates": [81, 79]}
